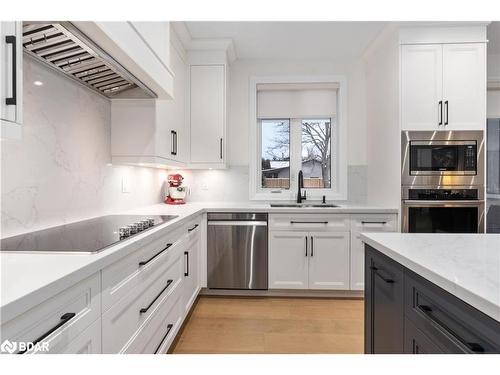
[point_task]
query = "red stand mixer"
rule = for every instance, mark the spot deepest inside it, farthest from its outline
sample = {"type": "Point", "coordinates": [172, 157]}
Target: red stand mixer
{"type": "Point", "coordinates": [176, 192]}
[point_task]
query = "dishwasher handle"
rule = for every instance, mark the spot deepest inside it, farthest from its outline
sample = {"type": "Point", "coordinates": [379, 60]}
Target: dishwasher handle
{"type": "Point", "coordinates": [240, 223]}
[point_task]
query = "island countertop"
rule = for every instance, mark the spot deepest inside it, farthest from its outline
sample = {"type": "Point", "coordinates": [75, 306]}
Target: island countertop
{"type": "Point", "coordinates": [465, 265]}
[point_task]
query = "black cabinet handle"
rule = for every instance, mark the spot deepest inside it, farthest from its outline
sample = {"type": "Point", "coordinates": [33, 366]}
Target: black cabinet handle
{"type": "Point", "coordinates": [186, 254]}
{"type": "Point", "coordinates": [221, 148]}
{"type": "Point", "coordinates": [11, 39]}
{"type": "Point", "coordinates": [446, 112]}
{"type": "Point", "coordinates": [173, 146]}
{"type": "Point", "coordinates": [169, 328]}
{"type": "Point", "coordinates": [440, 112]}
{"type": "Point", "coordinates": [375, 269]}
{"type": "Point", "coordinates": [63, 320]}
{"type": "Point", "coordinates": [374, 222]}
{"type": "Point", "coordinates": [193, 228]}
{"type": "Point", "coordinates": [142, 263]}
{"type": "Point", "coordinates": [308, 222]}
{"type": "Point", "coordinates": [145, 309]}
{"type": "Point", "coordinates": [471, 346]}
{"type": "Point", "coordinates": [306, 245]}
{"type": "Point", "coordinates": [312, 246]}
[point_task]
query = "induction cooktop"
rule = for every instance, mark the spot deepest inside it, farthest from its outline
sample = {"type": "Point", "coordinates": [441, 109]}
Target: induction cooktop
{"type": "Point", "coordinates": [83, 237]}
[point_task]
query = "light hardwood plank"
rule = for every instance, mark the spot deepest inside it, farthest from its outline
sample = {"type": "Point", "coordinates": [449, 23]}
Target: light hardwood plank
{"type": "Point", "coordinates": [273, 325]}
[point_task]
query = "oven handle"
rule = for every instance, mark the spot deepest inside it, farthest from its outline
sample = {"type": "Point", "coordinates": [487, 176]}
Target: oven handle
{"type": "Point", "coordinates": [409, 202]}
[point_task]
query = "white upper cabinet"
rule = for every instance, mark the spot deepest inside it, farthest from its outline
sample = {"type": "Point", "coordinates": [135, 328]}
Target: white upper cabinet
{"type": "Point", "coordinates": [11, 79]}
{"type": "Point", "coordinates": [208, 115]}
{"type": "Point", "coordinates": [443, 86]}
{"type": "Point", "coordinates": [421, 85]}
{"type": "Point", "coordinates": [464, 86]}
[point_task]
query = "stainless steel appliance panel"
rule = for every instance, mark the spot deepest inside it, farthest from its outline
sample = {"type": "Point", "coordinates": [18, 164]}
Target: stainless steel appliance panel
{"type": "Point", "coordinates": [237, 255]}
{"type": "Point", "coordinates": [445, 158]}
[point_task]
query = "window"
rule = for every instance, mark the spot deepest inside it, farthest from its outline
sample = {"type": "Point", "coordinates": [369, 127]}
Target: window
{"type": "Point", "coordinates": [275, 151]}
{"type": "Point", "coordinates": [298, 127]}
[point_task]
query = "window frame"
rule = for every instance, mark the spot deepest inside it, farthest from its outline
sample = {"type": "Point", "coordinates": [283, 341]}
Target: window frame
{"type": "Point", "coordinates": [338, 189]}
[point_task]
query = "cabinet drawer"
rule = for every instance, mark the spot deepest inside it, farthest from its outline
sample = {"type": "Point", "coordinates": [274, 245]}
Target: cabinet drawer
{"type": "Point", "coordinates": [194, 230]}
{"type": "Point", "coordinates": [60, 319]}
{"type": "Point", "coordinates": [374, 223]}
{"type": "Point", "coordinates": [158, 333]}
{"type": "Point", "coordinates": [450, 323]}
{"type": "Point", "coordinates": [127, 273]}
{"type": "Point", "coordinates": [89, 341]}
{"type": "Point", "coordinates": [124, 320]}
{"type": "Point", "coordinates": [309, 222]}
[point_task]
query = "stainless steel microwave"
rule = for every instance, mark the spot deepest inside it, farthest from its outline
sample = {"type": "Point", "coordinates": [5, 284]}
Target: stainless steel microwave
{"type": "Point", "coordinates": [442, 158]}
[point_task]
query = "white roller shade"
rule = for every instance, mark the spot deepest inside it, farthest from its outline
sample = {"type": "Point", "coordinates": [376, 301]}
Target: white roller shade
{"type": "Point", "coordinates": [296, 100]}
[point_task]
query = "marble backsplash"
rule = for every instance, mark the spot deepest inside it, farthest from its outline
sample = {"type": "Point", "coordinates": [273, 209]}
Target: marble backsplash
{"type": "Point", "coordinates": [60, 171]}
{"type": "Point", "coordinates": [231, 185]}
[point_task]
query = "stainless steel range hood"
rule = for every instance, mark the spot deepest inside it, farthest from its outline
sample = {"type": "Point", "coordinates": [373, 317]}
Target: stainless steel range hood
{"type": "Point", "coordinates": [64, 48]}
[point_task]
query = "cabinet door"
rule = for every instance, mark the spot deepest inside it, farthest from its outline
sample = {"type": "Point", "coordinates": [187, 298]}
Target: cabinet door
{"type": "Point", "coordinates": [416, 342]}
{"type": "Point", "coordinates": [464, 86]}
{"type": "Point", "coordinates": [207, 83]}
{"type": "Point", "coordinates": [288, 260]}
{"type": "Point", "coordinates": [421, 86]}
{"type": "Point", "coordinates": [384, 304]}
{"type": "Point", "coordinates": [329, 260]}
{"type": "Point", "coordinates": [191, 270]}
{"type": "Point", "coordinates": [11, 71]}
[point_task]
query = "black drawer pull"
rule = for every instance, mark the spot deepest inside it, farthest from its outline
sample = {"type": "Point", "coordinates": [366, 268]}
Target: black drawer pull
{"type": "Point", "coordinates": [186, 253]}
{"type": "Point", "coordinates": [169, 328]}
{"type": "Point", "coordinates": [312, 246]}
{"type": "Point", "coordinates": [64, 319]}
{"type": "Point", "coordinates": [306, 245]}
{"type": "Point", "coordinates": [374, 222]}
{"type": "Point", "coordinates": [145, 309]}
{"type": "Point", "coordinates": [193, 228]}
{"type": "Point", "coordinates": [308, 222]}
{"type": "Point", "coordinates": [472, 346]}
{"type": "Point", "coordinates": [375, 269]}
{"type": "Point", "coordinates": [144, 262]}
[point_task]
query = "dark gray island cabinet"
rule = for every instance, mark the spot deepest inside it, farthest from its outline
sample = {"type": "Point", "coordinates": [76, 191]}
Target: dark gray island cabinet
{"type": "Point", "coordinates": [405, 313]}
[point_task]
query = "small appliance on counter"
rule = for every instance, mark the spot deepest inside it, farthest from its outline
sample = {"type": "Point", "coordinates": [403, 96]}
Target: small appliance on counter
{"type": "Point", "coordinates": [175, 192]}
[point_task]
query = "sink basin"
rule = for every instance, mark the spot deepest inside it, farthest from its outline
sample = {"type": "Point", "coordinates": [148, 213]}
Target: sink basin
{"type": "Point", "coordinates": [303, 205]}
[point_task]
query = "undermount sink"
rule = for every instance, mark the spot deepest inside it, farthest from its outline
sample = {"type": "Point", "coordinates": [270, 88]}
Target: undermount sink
{"type": "Point", "coordinates": [303, 205]}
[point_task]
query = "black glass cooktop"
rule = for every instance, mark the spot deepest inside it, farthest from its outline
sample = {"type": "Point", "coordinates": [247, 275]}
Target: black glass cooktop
{"type": "Point", "coordinates": [87, 236]}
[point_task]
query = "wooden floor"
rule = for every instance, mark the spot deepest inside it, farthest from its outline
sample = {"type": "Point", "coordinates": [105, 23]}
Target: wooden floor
{"type": "Point", "coordinates": [273, 325]}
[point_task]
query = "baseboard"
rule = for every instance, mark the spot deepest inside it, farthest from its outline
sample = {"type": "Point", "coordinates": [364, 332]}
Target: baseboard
{"type": "Point", "coordinates": [284, 293]}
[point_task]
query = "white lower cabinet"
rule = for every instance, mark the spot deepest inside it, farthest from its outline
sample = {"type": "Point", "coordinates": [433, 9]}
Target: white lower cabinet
{"type": "Point", "coordinates": [321, 251]}
{"type": "Point", "coordinates": [329, 260]}
{"type": "Point", "coordinates": [309, 260]}
{"type": "Point", "coordinates": [192, 266]}
{"type": "Point", "coordinates": [365, 223]}
{"type": "Point", "coordinates": [288, 261]}
{"type": "Point", "coordinates": [89, 341]}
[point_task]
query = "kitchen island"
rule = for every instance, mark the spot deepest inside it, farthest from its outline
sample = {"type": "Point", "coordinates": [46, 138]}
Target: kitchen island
{"type": "Point", "coordinates": [432, 293]}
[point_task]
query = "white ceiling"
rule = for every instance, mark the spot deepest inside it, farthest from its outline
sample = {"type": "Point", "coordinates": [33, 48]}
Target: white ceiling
{"type": "Point", "coordinates": [494, 37]}
{"type": "Point", "coordinates": [291, 40]}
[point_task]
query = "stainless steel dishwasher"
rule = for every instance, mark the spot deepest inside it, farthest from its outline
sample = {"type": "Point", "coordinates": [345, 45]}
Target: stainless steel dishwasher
{"type": "Point", "coordinates": [237, 251]}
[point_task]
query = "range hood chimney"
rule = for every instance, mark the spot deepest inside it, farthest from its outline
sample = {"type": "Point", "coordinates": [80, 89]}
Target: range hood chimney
{"type": "Point", "coordinates": [64, 48]}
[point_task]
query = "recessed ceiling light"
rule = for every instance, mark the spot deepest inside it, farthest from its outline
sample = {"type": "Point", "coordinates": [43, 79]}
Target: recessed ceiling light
{"type": "Point", "coordinates": [38, 83]}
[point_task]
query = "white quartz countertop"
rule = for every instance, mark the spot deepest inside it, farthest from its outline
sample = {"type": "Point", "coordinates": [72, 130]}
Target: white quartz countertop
{"type": "Point", "coordinates": [28, 279]}
{"type": "Point", "coordinates": [465, 265]}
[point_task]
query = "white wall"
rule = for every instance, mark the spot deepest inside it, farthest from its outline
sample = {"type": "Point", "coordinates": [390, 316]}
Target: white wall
{"type": "Point", "coordinates": [60, 171]}
{"type": "Point", "coordinates": [238, 118]}
{"type": "Point", "coordinates": [383, 130]}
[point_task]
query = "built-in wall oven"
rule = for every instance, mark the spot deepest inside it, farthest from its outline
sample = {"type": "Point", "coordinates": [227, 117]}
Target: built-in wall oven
{"type": "Point", "coordinates": [442, 178]}
{"type": "Point", "coordinates": [444, 209]}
